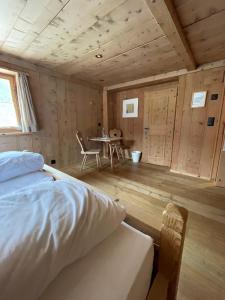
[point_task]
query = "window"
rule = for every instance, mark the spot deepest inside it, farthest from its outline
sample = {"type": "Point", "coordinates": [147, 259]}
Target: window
{"type": "Point", "coordinates": [9, 110]}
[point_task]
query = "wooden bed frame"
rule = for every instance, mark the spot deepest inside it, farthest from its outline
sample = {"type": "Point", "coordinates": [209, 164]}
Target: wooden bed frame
{"type": "Point", "coordinates": [167, 260]}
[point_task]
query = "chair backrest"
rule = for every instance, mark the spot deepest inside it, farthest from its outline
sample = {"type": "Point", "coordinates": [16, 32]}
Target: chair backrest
{"type": "Point", "coordinates": [81, 141]}
{"type": "Point", "coordinates": [115, 133]}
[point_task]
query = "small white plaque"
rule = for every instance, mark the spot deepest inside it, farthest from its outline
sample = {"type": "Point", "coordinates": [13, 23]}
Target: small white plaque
{"type": "Point", "coordinates": [130, 108]}
{"type": "Point", "coordinates": [198, 99]}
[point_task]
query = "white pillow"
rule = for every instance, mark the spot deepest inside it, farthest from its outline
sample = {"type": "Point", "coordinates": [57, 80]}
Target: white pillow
{"type": "Point", "coordinates": [47, 227]}
{"type": "Point", "coordinates": [16, 163]}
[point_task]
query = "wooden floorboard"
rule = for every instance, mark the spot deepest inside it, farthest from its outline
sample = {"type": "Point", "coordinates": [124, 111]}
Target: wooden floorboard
{"type": "Point", "coordinates": [145, 189]}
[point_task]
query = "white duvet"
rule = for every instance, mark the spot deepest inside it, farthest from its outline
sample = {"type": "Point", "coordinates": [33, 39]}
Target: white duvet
{"type": "Point", "coordinates": [47, 227]}
{"type": "Point", "coordinates": [17, 163]}
{"type": "Point", "coordinates": [23, 181]}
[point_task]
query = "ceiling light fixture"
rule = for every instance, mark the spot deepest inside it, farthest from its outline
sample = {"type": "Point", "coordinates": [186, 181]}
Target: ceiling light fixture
{"type": "Point", "coordinates": [99, 55]}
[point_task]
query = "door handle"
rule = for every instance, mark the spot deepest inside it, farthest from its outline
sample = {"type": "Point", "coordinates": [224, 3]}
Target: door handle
{"type": "Point", "coordinates": [146, 128]}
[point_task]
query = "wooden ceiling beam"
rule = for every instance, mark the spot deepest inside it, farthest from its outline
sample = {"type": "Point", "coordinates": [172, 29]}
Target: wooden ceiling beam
{"type": "Point", "coordinates": [167, 18]}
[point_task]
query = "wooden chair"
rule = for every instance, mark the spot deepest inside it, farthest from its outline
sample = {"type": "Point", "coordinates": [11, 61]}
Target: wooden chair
{"type": "Point", "coordinates": [117, 147]}
{"type": "Point", "coordinates": [172, 235]}
{"type": "Point", "coordinates": [86, 152]}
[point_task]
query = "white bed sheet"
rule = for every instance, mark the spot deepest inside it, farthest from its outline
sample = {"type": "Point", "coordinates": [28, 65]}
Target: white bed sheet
{"type": "Point", "coordinates": [20, 182]}
{"type": "Point", "coordinates": [117, 269]}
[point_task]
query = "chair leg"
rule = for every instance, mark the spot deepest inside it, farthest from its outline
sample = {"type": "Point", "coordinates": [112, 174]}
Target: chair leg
{"type": "Point", "coordinates": [111, 155]}
{"type": "Point", "coordinates": [108, 150]}
{"type": "Point", "coordinates": [122, 153]}
{"type": "Point", "coordinates": [97, 161]}
{"type": "Point", "coordinates": [117, 152]}
{"type": "Point", "coordinates": [113, 149]}
{"type": "Point", "coordinates": [100, 162]}
{"type": "Point", "coordinates": [83, 162]}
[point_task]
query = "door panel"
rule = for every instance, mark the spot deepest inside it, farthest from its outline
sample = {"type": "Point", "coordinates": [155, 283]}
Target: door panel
{"type": "Point", "coordinates": [159, 117]}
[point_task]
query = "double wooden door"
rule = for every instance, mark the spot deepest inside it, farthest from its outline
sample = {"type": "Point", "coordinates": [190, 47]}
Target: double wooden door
{"type": "Point", "coordinates": [159, 120]}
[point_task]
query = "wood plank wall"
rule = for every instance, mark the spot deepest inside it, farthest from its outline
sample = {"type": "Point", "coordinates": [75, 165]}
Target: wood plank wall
{"type": "Point", "coordinates": [196, 147]}
{"type": "Point", "coordinates": [132, 128]}
{"type": "Point", "coordinates": [195, 143]}
{"type": "Point", "coordinates": [62, 107]}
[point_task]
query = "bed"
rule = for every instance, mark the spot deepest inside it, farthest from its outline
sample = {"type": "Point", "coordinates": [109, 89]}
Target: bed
{"type": "Point", "coordinates": [118, 266]}
{"type": "Point", "coordinates": [110, 271]}
{"type": "Point", "coordinates": [167, 251]}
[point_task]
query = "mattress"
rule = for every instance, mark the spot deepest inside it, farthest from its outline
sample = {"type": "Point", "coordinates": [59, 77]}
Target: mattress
{"type": "Point", "coordinates": [117, 269]}
{"type": "Point", "coordinates": [20, 182]}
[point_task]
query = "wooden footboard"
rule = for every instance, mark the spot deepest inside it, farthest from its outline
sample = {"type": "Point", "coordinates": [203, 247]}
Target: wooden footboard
{"type": "Point", "coordinates": [172, 235]}
{"type": "Point", "coordinates": [171, 241]}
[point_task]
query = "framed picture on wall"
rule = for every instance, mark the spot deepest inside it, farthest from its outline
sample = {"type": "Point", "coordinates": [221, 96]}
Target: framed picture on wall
{"type": "Point", "coordinates": [198, 99]}
{"type": "Point", "coordinates": [130, 108]}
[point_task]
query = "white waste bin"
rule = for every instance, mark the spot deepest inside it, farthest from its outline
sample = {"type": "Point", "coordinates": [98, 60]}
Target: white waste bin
{"type": "Point", "coordinates": [136, 156]}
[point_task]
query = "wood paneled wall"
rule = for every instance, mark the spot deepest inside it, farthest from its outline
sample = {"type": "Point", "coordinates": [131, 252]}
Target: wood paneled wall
{"type": "Point", "coordinates": [132, 128]}
{"type": "Point", "coordinates": [196, 146]}
{"type": "Point", "coordinates": [62, 107]}
{"type": "Point", "coordinates": [195, 150]}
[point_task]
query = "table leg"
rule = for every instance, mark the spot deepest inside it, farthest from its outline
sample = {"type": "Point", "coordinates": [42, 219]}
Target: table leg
{"type": "Point", "coordinates": [111, 155]}
{"type": "Point", "coordinates": [105, 150]}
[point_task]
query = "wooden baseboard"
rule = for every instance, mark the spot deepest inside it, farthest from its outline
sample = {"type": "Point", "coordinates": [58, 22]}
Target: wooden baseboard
{"type": "Point", "coordinates": [189, 174]}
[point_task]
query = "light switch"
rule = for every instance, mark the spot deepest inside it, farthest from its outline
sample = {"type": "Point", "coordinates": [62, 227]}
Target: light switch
{"type": "Point", "coordinates": [214, 97]}
{"type": "Point", "coordinates": [211, 121]}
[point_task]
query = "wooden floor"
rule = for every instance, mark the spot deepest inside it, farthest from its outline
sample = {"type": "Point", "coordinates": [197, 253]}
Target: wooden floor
{"type": "Point", "coordinates": [145, 189]}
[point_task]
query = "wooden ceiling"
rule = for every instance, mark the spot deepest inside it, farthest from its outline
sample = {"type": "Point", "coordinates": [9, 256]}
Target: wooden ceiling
{"type": "Point", "coordinates": [137, 38]}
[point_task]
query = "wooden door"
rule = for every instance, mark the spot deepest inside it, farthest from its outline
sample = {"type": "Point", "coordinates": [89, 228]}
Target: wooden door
{"type": "Point", "coordinates": [159, 118]}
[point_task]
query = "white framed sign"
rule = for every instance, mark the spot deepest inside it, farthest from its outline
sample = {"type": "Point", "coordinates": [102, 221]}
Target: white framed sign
{"type": "Point", "coordinates": [198, 99]}
{"type": "Point", "coordinates": [130, 108]}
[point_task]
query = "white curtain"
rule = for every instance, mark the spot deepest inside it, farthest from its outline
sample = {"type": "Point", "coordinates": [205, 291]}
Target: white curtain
{"type": "Point", "coordinates": [27, 113]}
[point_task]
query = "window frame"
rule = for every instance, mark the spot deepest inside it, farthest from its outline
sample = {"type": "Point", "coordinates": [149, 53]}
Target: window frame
{"type": "Point", "coordinates": [12, 81]}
